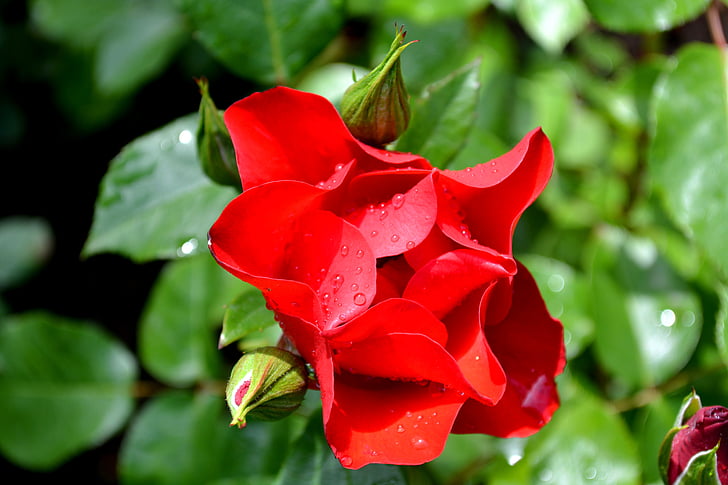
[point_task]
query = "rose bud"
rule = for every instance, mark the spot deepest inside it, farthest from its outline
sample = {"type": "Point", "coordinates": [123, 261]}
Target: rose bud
{"type": "Point", "coordinates": [267, 383]}
{"type": "Point", "coordinates": [707, 428]}
{"type": "Point", "coordinates": [214, 146]}
{"type": "Point", "coordinates": [376, 108]}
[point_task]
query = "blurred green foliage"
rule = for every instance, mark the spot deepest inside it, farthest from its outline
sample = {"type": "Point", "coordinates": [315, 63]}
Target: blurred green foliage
{"type": "Point", "coordinates": [628, 242]}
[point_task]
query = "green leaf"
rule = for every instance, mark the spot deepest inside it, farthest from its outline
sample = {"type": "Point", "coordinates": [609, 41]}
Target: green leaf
{"type": "Point", "coordinates": [25, 244]}
{"type": "Point", "coordinates": [136, 45]}
{"type": "Point", "coordinates": [442, 116]}
{"type": "Point", "coordinates": [425, 11]}
{"type": "Point", "coordinates": [66, 386]}
{"type": "Point", "coordinates": [552, 23]}
{"type": "Point", "coordinates": [566, 293]}
{"type": "Point", "coordinates": [268, 41]}
{"type": "Point", "coordinates": [76, 22]}
{"type": "Point", "coordinates": [180, 438]}
{"type": "Point", "coordinates": [645, 15]}
{"type": "Point", "coordinates": [586, 443]}
{"type": "Point", "coordinates": [663, 456]}
{"type": "Point", "coordinates": [649, 320]}
{"type": "Point", "coordinates": [688, 156]}
{"type": "Point", "coordinates": [245, 315]}
{"type": "Point", "coordinates": [176, 335]}
{"type": "Point", "coordinates": [702, 469]}
{"type": "Point", "coordinates": [311, 462]}
{"type": "Point", "coordinates": [154, 201]}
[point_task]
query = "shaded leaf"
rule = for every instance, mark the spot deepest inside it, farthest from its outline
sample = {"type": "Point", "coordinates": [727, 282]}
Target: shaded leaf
{"type": "Point", "coordinates": [154, 201]}
{"type": "Point", "coordinates": [688, 155]}
{"type": "Point", "coordinates": [66, 386]}
{"type": "Point", "coordinates": [136, 45]}
{"type": "Point", "coordinates": [176, 339]}
{"type": "Point", "coordinates": [180, 438]}
{"type": "Point", "coordinates": [268, 41]}
{"type": "Point", "coordinates": [245, 315]}
{"type": "Point", "coordinates": [25, 244]}
{"type": "Point", "coordinates": [645, 15]}
{"type": "Point", "coordinates": [649, 320]}
{"type": "Point", "coordinates": [442, 116]}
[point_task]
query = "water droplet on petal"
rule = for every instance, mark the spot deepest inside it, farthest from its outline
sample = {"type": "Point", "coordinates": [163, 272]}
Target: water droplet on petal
{"type": "Point", "coordinates": [360, 299]}
{"type": "Point", "coordinates": [358, 270]}
{"type": "Point", "coordinates": [383, 214]}
{"type": "Point", "coordinates": [410, 244]}
{"type": "Point", "coordinates": [373, 234]}
{"type": "Point", "coordinates": [360, 253]}
{"type": "Point", "coordinates": [346, 460]}
{"type": "Point", "coordinates": [337, 282]}
{"type": "Point", "coordinates": [395, 238]}
{"type": "Point", "coordinates": [344, 250]}
{"type": "Point", "coordinates": [339, 167]}
{"type": "Point", "coordinates": [419, 444]}
{"type": "Point", "coordinates": [398, 201]}
{"type": "Point", "coordinates": [400, 428]}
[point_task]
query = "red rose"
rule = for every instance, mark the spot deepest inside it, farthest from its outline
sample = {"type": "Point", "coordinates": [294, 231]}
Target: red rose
{"type": "Point", "coordinates": [395, 280]}
{"type": "Point", "coordinates": [702, 432]}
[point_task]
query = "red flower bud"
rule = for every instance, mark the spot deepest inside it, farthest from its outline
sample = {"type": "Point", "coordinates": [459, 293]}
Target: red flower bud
{"type": "Point", "coordinates": [704, 430]}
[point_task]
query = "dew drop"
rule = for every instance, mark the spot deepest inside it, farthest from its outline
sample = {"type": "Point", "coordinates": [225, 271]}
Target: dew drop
{"type": "Point", "coordinates": [185, 137]}
{"type": "Point", "coordinates": [337, 282]}
{"type": "Point", "coordinates": [400, 428]}
{"type": "Point", "coordinates": [398, 201]}
{"type": "Point", "coordinates": [344, 250]}
{"type": "Point", "coordinates": [360, 299]}
{"type": "Point", "coordinates": [419, 444]}
{"type": "Point", "coordinates": [373, 234]}
{"type": "Point", "coordinates": [395, 237]}
{"type": "Point", "coordinates": [360, 253]}
{"type": "Point", "coordinates": [342, 317]}
{"type": "Point", "coordinates": [358, 270]}
{"type": "Point", "coordinates": [339, 167]}
{"type": "Point", "coordinates": [354, 287]}
{"type": "Point", "coordinates": [383, 214]}
{"type": "Point", "coordinates": [410, 244]}
{"type": "Point", "coordinates": [346, 460]}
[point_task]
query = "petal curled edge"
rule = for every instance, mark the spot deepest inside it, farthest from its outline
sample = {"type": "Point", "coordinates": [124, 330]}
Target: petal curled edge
{"type": "Point", "coordinates": [444, 282]}
{"type": "Point", "coordinates": [399, 340]}
{"type": "Point", "coordinates": [286, 134]}
{"type": "Point", "coordinates": [389, 422]}
{"type": "Point", "coordinates": [404, 214]}
{"type": "Point", "coordinates": [485, 202]}
{"type": "Point", "coordinates": [529, 345]}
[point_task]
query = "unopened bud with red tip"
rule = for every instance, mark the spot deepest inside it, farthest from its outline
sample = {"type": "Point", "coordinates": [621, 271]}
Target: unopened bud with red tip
{"type": "Point", "coordinates": [376, 108]}
{"type": "Point", "coordinates": [268, 383]}
{"type": "Point", "coordinates": [214, 145]}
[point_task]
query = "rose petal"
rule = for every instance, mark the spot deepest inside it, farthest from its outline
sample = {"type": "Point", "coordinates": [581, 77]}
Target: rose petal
{"type": "Point", "coordinates": [285, 134]}
{"type": "Point", "coordinates": [401, 220]}
{"type": "Point", "coordinates": [481, 205]}
{"type": "Point", "coordinates": [395, 158]}
{"type": "Point", "coordinates": [392, 316]}
{"type": "Point", "coordinates": [392, 278]}
{"type": "Point", "coordinates": [469, 347]}
{"type": "Point", "coordinates": [332, 257]}
{"type": "Point", "coordinates": [529, 345]}
{"type": "Point", "coordinates": [250, 238]}
{"type": "Point", "coordinates": [382, 421]}
{"type": "Point", "coordinates": [444, 282]}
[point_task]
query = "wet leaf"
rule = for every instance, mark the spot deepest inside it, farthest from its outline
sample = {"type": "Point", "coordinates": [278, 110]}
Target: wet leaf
{"type": "Point", "coordinates": [155, 201]}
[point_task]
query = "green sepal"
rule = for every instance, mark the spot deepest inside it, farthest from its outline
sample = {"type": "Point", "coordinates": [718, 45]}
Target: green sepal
{"type": "Point", "coordinates": [268, 383]}
{"type": "Point", "coordinates": [214, 145]}
{"type": "Point", "coordinates": [376, 108]}
{"type": "Point", "coordinates": [702, 469]}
